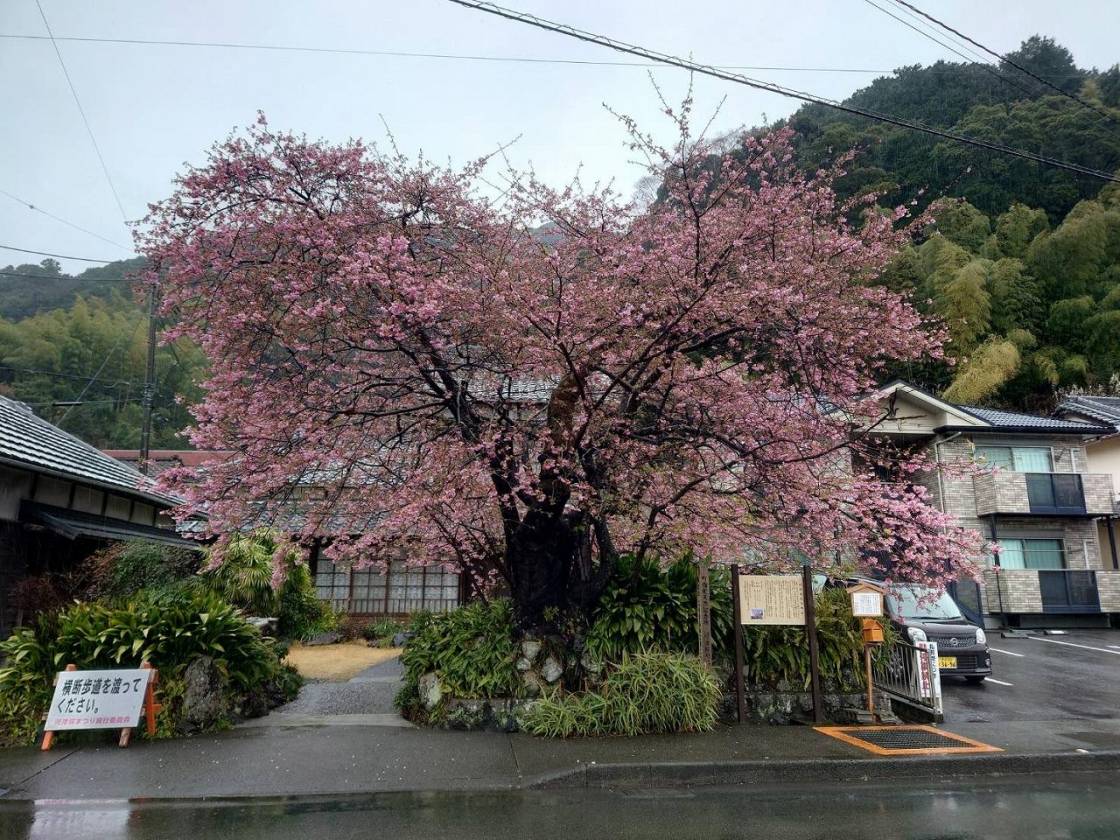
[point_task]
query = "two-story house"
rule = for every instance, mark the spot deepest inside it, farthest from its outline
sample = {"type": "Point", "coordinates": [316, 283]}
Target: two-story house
{"type": "Point", "coordinates": [1033, 496]}
{"type": "Point", "coordinates": [1104, 456]}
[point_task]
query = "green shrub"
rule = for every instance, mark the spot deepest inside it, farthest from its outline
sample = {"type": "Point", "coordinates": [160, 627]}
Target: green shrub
{"type": "Point", "coordinates": [245, 576]}
{"type": "Point", "coordinates": [644, 693]}
{"type": "Point", "coordinates": [646, 607]}
{"type": "Point", "coordinates": [124, 569]}
{"type": "Point", "coordinates": [169, 630]}
{"type": "Point", "coordinates": [778, 655]}
{"type": "Point", "coordinates": [300, 612]}
{"type": "Point", "coordinates": [471, 649]}
{"type": "Point", "coordinates": [381, 632]}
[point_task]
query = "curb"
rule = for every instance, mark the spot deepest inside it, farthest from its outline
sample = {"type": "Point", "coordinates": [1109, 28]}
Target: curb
{"type": "Point", "coordinates": [696, 774]}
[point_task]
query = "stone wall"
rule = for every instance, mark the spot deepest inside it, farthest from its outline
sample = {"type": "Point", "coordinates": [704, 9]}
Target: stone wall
{"type": "Point", "coordinates": [778, 708]}
{"type": "Point", "coordinates": [1011, 591]}
{"type": "Point", "coordinates": [1108, 587]}
{"type": "Point", "coordinates": [1098, 492]}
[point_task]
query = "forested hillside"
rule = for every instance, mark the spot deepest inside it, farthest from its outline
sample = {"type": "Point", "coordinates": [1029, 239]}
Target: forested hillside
{"type": "Point", "coordinates": [1003, 106]}
{"type": "Point", "coordinates": [1023, 260]}
{"type": "Point", "coordinates": [1031, 308]}
{"type": "Point", "coordinates": [94, 350]}
{"type": "Point", "coordinates": [36, 287]}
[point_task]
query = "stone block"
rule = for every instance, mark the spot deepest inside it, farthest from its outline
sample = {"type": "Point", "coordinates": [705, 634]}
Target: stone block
{"type": "Point", "coordinates": [430, 690]}
{"type": "Point", "coordinates": [551, 670]}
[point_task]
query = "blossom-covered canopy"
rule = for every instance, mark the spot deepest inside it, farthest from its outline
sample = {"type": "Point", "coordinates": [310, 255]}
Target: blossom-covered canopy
{"type": "Point", "coordinates": [526, 385]}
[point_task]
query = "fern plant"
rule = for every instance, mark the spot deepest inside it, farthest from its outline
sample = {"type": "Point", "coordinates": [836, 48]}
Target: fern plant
{"type": "Point", "coordinates": [646, 607]}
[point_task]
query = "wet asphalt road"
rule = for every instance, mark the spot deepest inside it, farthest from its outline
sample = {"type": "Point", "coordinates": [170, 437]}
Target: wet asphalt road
{"type": "Point", "coordinates": [1045, 678]}
{"type": "Point", "coordinates": [1074, 807]}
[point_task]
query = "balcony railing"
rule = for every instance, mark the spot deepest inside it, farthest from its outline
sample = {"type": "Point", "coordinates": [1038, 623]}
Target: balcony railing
{"type": "Point", "coordinates": [1043, 494]}
{"type": "Point", "coordinates": [1057, 493]}
{"type": "Point", "coordinates": [1069, 591]}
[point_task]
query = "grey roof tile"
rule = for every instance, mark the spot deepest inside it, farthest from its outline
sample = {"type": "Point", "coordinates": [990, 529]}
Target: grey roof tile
{"type": "Point", "coordinates": [1015, 420]}
{"type": "Point", "coordinates": [30, 440]}
{"type": "Point", "coordinates": [1101, 409]}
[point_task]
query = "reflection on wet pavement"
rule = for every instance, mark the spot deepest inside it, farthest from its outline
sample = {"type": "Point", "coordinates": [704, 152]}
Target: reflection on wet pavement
{"type": "Point", "coordinates": [1072, 807]}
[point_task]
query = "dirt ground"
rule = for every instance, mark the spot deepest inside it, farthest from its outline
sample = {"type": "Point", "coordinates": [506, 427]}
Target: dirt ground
{"type": "Point", "coordinates": [337, 663]}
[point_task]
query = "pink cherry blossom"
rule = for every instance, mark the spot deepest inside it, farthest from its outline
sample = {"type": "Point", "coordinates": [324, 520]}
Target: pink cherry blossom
{"type": "Point", "coordinates": [522, 387]}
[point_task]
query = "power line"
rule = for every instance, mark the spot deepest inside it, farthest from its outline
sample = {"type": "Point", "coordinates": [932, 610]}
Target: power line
{"type": "Point", "coordinates": [72, 404]}
{"type": "Point", "coordinates": [82, 111]}
{"type": "Point", "coordinates": [973, 58]}
{"type": "Point", "coordinates": [66, 222]}
{"type": "Point", "coordinates": [57, 375]}
{"type": "Point", "coordinates": [57, 256]}
{"type": "Point", "coordinates": [403, 54]}
{"type": "Point", "coordinates": [771, 87]}
{"type": "Point", "coordinates": [1010, 62]}
{"type": "Point", "coordinates": [125, 336]}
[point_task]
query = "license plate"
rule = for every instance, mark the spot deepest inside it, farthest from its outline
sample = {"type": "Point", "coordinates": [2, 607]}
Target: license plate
{"type": "Point", "coordinates": [946, 662]}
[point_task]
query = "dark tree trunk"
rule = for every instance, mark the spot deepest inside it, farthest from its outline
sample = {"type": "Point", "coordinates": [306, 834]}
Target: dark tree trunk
{"type": "Point", "coordinates": [539, 554]}
{"type": "Point", "coordinates": [550, 564]}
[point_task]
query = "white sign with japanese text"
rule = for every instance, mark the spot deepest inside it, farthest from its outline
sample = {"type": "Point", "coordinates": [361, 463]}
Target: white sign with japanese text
{"type": "Point", "coordinates": [867, 604]}
{"type": "Point", "coordinates": [98, 699]}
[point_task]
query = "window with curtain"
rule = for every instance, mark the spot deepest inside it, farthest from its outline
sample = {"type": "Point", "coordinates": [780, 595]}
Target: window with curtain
{"type": "Point", "coordinates": [1017, 458]}
{"type": "Point", "coordinates": [1031, 554]}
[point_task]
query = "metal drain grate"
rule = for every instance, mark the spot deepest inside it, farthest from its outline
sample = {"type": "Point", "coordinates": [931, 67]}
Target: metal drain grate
{"type": "Point", "coordinates": [905, 740]}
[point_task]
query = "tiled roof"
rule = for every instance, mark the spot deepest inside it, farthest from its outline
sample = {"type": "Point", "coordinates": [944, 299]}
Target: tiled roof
{"type": "Point", "coordinates": [1101, 409]}
{"type": "Point", "coordinates": [1014, 420]}
{"type": "Point", "coordinates": [160, 460]}
{"type": "Point", "coordinates": [32, 442]}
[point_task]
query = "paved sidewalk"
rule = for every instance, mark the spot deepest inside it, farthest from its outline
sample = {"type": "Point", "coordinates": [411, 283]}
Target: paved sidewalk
{"type": "Point", "coordinates": [345, 738]}
{"type": "Point", "coordinates": [294, 759]}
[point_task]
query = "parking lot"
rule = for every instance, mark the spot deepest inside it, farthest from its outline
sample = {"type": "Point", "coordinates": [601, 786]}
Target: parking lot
{"type": "Point", "coordinates": [1075, 676]}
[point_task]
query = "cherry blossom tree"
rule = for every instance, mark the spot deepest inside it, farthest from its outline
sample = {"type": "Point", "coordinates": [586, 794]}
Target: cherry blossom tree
{"type": "Point", "coordinates": [525, 385]}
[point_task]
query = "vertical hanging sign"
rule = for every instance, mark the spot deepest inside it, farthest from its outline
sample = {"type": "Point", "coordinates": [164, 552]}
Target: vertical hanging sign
{"type": "Point", "coordinates": [704, 610]}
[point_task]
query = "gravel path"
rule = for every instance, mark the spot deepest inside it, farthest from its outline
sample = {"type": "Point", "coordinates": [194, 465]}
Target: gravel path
{"type": "Point", "coordinates": [368, 693]}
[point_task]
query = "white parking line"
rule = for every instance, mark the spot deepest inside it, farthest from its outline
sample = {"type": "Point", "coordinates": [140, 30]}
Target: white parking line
{"type": "Point", "coordinates": [1008, 652]}
{"type": "Point", "coordinates": [1071, 644]}
{"type": "Point", "coordinates": [998, 682]}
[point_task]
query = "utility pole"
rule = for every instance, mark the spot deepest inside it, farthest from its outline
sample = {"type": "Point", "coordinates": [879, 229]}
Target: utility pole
{"type": "Point", "coordinates": [149, 383]}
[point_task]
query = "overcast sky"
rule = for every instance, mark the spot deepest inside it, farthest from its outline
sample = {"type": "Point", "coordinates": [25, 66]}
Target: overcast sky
{"type": "Point", "coordinates": [153, 107]}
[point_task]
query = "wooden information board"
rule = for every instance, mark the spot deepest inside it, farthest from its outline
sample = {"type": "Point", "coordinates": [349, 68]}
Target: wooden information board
{"type": "Point", "coordinates": [771, 599]}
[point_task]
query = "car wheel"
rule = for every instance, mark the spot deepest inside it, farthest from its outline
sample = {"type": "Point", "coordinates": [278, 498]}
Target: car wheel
{"type": "Point", "coordinates": [974, 680]}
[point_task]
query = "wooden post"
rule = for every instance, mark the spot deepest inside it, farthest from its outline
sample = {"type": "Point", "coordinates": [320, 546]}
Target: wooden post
{"type": "Point", "coordinates": [737, 617]}
{"type": "Point", "coordinates": [870, 684]}
{"type": "Point", "coordinates": [811, 635]}
{"type": "Point", "coordinates": [48, 737]}
{"type": "Point", "coordinates": [704, 610]}
{"type": "Point", "coordinates": [150, 707]}
{"type": "Point", "coordinates": [150, 704]}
